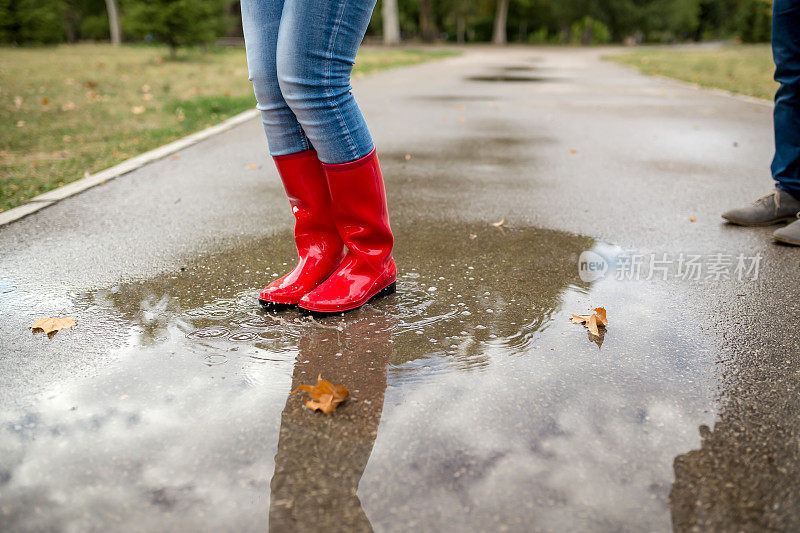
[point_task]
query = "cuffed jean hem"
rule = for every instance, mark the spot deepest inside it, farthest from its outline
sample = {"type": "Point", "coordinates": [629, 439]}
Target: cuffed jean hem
{"type": "Point", "coordinates": [350, 165]}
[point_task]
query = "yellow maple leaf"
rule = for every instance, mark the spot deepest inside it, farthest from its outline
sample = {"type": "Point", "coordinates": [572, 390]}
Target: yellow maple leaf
{"type": "Point", "coordinates": [51, 325]}
{"type": "Point", "coordinates": [594, 321]}
{"type": "Point", "coordinates": [325, 396]}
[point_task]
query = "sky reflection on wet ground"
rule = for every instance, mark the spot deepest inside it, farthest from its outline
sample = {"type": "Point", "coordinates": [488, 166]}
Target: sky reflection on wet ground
{"type": "Point", "coordinates": [475, 401]}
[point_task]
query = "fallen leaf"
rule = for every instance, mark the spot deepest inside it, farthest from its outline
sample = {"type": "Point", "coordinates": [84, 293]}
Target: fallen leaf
{"type": "Point", "coordinates": [692, 219]}
{"type": "Point", "coordinates": [573, 151]}
{"type": "Point", "coordinates": [176, 156]}
{"type": "Point", "coordinates": [52, 325]}
{"type": "Point", "coordinates": [325, 396]}
{"type": "Point", "coordinates": [499, 223]}
{"type": "Point", "coordinates": [459, 107]}
{"type": "Point", "coordinates": [462, 119]}
{"type": "Point", "coordinates": [45, 100]}
{"type": "Point", "coordinates": [593, 321]}
{"type": "Point", "coordinates": [251, 166]}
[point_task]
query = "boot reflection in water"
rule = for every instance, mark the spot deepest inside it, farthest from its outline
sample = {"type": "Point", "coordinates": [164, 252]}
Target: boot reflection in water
{"type": "Point", "coordinates": [321, 458]}
{"type": "Point", "coordinates": [300, 54]}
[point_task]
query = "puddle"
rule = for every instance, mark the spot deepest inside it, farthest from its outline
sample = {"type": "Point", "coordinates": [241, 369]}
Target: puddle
{"type": "Point", "coordinates": [475, 400]}
{"type": "Point", "coordinates": [508, 78]}
{"type": "Point", "coordinates": [455, 98]}
{"type": "Point", "coordinates": [519, 68]}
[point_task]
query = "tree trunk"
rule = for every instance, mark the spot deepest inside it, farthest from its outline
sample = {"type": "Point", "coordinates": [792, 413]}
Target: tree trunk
{"type": "Point", "coordinates": [461, 29]}
{"type": "Point", "coordinates": [426, 29]}
{"type": "Point", "coordinates": [113, 22]}
{"type": "Point", "coordinates": [391, 22]}
{"type": "Point", "coordinates": [500, 21]}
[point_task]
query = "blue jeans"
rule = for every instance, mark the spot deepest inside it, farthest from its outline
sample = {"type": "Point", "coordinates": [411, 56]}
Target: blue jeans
{"type": "Point", "coordinates": [786, 52]}
{"type": "Point", "coordinates": [300, 54]}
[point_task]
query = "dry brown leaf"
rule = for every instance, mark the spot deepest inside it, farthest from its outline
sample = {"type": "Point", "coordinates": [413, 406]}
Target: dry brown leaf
{"type": "Point", "coordinates": [53, 324]}
{"type": "Point", "coordinates": [573, 151]}
{"type": "Point", "coordinates": [692, 219]}
{"type": "Point", "coordinates": [251, 166]}
{"type": "Point", "coordinates": [325, 396]}
{"type": "Point", "coordinates": [593, 321]}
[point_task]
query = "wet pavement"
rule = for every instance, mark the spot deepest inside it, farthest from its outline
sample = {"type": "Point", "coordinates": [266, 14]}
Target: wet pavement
{"type": "Point", "coordinates": [476, 404]}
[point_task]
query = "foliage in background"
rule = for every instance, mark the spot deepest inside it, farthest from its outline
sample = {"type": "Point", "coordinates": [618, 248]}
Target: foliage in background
{"type": "Point", "coordinates": [174, 22]}
{"type": "Point", "coordinates": [179, 22]}
{"type": "Point", "coordinates": [589, 31]}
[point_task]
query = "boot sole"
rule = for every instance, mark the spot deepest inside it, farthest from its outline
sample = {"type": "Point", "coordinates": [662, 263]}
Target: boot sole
{"type": "Point", "coordinates": [784, 240]}
{"type": "Point", "coordinates": [759, 224]}
{"type": "Point", "coordinates": [275, 306]}
{"type": "Point", "coordinates": [386, 291]}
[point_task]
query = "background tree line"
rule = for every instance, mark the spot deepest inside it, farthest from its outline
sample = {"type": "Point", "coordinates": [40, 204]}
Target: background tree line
{"type": "Point", "coordinates": [189, 22]}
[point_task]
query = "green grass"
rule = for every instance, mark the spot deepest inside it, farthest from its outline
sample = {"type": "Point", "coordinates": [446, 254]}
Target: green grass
{"type": "Point", "coordinates": [74, 109]}
{"type": "Point", "coordinates": [742, 69]}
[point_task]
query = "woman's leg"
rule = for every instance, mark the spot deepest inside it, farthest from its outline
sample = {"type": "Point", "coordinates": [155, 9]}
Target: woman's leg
{"type": "Point", "coordinates": [319, 247]}
{"type": "Point", "coordinates": [261, 20]}
{"type": "Point", "coordinates": [316, 50]}
{"type": "Point", "coordinates": [317, 46]}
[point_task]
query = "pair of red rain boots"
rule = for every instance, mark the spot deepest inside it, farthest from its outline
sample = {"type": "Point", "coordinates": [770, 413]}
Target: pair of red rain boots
{"type": "Point", "coordinates": [335, 206]}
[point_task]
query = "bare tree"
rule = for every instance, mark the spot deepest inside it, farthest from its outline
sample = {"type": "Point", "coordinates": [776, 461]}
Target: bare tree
{"type": "Point", "coordinates": [500, 21]}
{"type": "Point", "coordinates": [391, 22]}
{"type": "Point", "coordinates": [113, 22]}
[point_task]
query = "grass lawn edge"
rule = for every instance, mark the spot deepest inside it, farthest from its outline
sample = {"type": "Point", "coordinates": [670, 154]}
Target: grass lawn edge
{"type": "Point", "coordinates": [52, 196]}
{"type": "Point", "coordinates": [99, 178]}
{"type": "Point", "coordinates": [617, 59]}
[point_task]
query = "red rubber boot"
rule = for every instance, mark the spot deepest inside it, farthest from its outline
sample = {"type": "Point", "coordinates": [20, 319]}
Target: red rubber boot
{"type": "Point", "coordinates": [319, 246]}
{"type": "Point", "coordinates": [358, 201]}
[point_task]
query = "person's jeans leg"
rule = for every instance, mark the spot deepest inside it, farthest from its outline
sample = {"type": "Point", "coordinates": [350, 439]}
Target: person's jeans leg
{"type": "Point", "coordinates": [786, 52]}
{"type": "Point", "coordinates": [261, 20]}
{"type": "Point", "coordinates": [316, 50]}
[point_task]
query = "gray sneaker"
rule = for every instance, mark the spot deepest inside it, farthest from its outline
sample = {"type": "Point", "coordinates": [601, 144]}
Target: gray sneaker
{"type": "Point", "coordinates": [774, 208]}
{"type": "Point", "coordinates": [789, 234]}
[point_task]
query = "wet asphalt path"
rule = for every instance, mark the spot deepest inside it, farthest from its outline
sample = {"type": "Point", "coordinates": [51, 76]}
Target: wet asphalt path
{"type": "Point", "coordinates": [477, 405]}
